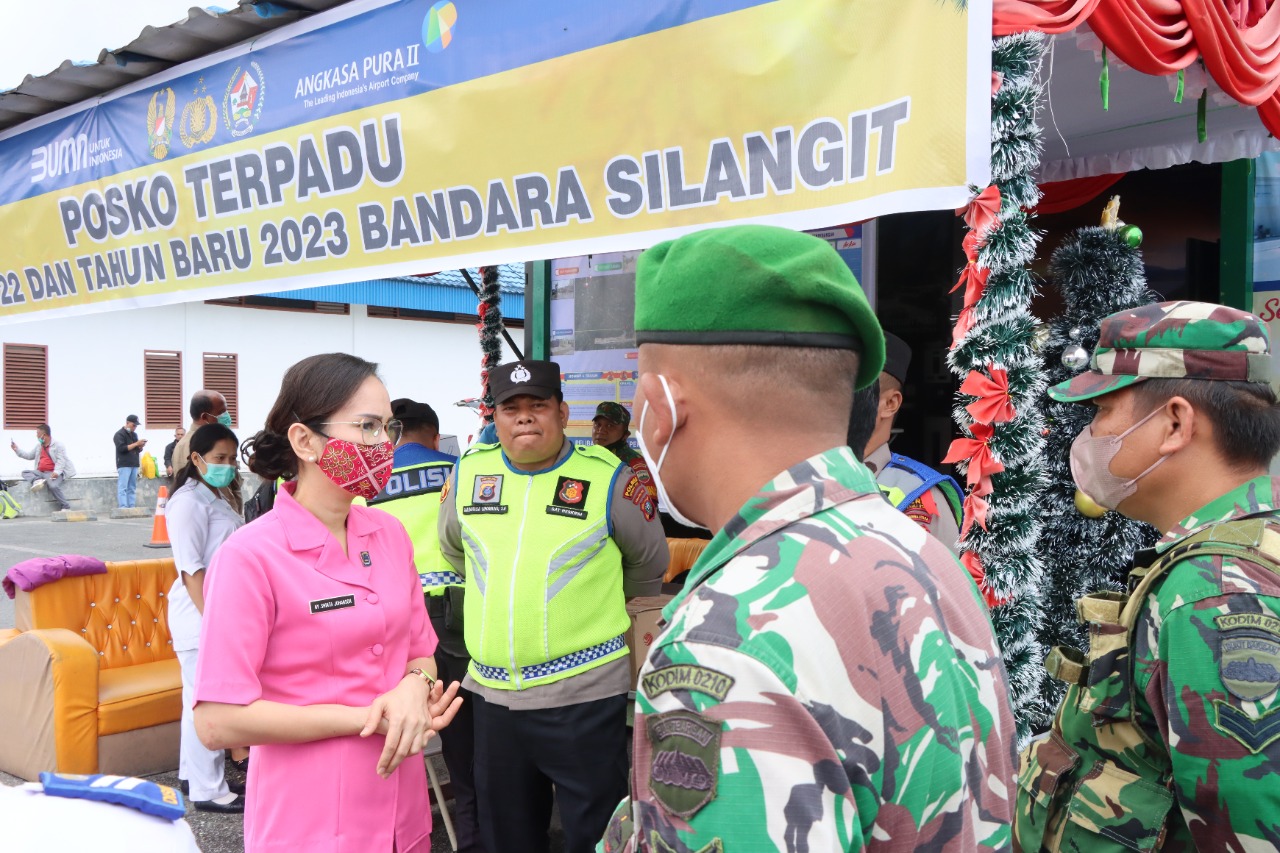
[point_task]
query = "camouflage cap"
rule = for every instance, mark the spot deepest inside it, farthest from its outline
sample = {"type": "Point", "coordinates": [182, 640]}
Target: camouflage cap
{"type": "Point", "coordinates": [1172, 340]}
{"type": "Point", "coordinates": [615, 412]}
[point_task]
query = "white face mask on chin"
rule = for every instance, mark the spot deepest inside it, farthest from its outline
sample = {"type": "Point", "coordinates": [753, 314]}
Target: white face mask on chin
{"type": "Point", "coordinates": [655, 465]}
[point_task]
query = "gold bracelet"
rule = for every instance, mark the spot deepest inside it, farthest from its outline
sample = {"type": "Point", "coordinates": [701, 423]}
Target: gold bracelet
{"type": "Point", "coordinates": [431, 682]}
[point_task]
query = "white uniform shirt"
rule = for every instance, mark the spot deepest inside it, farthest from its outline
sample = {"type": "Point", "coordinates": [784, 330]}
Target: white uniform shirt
{"type": "Point", "coordinates": [199, 522]}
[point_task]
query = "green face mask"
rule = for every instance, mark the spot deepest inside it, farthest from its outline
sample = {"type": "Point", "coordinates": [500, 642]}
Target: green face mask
{"type": "Point", "coordinates": [218, 476]}
{"type": "Point", "coordinates": [225, 419]}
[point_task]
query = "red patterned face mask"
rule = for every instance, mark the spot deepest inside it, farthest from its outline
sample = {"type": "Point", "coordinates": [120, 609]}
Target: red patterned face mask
{"type": "Point", "coordinates": [361, 469]}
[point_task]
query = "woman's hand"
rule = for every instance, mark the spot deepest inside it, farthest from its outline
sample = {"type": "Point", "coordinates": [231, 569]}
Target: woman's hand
{"type": "Point", "coordinates": [404, 712]}
{"type": "Point", "coordinates": [444, 705]}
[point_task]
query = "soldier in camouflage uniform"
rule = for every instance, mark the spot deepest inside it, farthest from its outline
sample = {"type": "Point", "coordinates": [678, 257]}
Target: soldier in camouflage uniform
{"type": "Point", "coordinates": [828, 679]}
{"type": "Point", "coordinates": [1169, 735]}
{"type": "Point", "coordinates": [610, 428]}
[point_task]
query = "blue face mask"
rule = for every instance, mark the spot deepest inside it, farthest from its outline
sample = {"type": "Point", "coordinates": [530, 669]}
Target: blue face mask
{"type": "Point", "coordinates": [218, 476]}
{"type": "Point", "coordinates": [225, 419]}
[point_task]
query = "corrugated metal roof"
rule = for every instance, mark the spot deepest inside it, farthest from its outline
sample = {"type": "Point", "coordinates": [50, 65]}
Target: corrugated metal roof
{"type": "Point", "coordinates": [202, 32]}
{"type": "Point", "coordinates": [446, 292]}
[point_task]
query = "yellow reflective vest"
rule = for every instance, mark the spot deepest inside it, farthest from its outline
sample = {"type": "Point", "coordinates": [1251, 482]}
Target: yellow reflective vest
{"type": "Point", "coordinates": [544, 596]}
{"type": "Point", "coordinates": [413, 496]}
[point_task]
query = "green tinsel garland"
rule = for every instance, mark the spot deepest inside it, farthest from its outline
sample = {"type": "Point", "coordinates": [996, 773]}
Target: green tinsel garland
{"type": "Point", "coordinates": [1003, 335]}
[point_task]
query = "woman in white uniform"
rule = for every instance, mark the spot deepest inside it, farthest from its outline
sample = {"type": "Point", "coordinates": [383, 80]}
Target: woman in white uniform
{"type": "Point", "coordinates": [200, 517]}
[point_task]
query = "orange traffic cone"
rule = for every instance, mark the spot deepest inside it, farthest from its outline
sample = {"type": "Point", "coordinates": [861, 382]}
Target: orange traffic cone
{"type": "Point", "coordinates": [160, 529]}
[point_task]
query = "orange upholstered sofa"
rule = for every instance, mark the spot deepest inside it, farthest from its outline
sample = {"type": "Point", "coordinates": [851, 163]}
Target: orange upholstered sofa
{"type": "Point", "coordinates": [90, 681]}
{"type": "Point", "coordinates": [684, 553]}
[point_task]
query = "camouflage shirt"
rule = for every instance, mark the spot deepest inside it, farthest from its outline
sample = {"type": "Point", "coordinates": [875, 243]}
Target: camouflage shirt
{"type": "Point", "coordinates": [1204, 664]}
{"type": "Point", "coordinates": [829, 680]}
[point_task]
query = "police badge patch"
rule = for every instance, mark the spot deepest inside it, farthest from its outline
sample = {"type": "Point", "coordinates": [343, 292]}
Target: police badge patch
{"type": "Point", "coordinates": [486, 496]}
{"type": "Point", "coordinates": [686, 760]}
{"type": "Point", "coordinates": [570, 494]}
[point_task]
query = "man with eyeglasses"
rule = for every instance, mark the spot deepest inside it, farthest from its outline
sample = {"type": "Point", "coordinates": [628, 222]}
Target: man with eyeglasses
{"type": "Point", "coordinates": [551, 538]}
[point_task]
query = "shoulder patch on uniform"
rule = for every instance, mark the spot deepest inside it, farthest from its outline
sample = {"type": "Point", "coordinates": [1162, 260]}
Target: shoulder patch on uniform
{"type": "Point", "coordinates": [444, 490]}
{"type": "Point", "coordinates": [687, 676]}
{"type": "Point", "coordinates": [686, 760]}
{"type": "Point", "coordinates": [1248, 656]}
{"type": "Point", "coordinates": [1253, 735]}
{"type": "Point", "coordinates": [657, 845]}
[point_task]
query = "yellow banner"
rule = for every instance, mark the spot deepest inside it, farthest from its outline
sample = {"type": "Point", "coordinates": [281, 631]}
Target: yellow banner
{"type": "Point", "coordinates": [803, 113]}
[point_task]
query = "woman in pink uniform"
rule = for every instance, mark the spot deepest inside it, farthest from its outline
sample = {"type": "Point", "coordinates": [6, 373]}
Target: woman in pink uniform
{"type": "Point", "coordinates": [316, 647]}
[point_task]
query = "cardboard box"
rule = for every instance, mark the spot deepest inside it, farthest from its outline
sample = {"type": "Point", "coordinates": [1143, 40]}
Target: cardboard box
{"type": "Point", "coordinates": [645, 612]}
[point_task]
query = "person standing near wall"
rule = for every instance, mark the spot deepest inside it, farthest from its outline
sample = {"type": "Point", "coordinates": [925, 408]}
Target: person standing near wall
{"type": "Point", "coordinates": [53, 466]}
{"type": "Point", "coordinates": [128, 459]}
{"type": "Point", "coordinates": [200, 518]}
{"type": "Point", "coordinates": [316, 647]}
{"type": "Point", "coordinates": [168, 452]}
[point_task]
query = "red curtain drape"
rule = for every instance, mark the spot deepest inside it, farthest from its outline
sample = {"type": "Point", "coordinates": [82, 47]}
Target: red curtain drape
{"type": "Point", "coordinates": [1057, 196]}
{"type": "Point", "coordinates": [1238, 40]}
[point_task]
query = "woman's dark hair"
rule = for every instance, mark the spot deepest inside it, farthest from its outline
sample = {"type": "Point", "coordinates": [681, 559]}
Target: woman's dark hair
{"type": "Point", "coordinates": [311, 391]}
{"type": "Point", "coordinates": [202, 441]}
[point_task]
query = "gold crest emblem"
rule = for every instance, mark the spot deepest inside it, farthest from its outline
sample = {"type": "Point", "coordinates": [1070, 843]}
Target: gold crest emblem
{"type": "Point", "coordinates": [199, 118]}
{"type": "Point", "coordinates": [160, 122]}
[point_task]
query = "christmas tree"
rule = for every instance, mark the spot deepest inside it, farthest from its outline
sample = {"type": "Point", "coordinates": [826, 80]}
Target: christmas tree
{"type": "Point", "coordinates": [1098, 271]}
{"type": "Point", "coordinates": [994, 353]}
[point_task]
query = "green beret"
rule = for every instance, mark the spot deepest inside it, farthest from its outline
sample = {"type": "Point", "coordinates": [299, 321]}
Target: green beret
{"type": "Point", "coordinates": [755, 284]}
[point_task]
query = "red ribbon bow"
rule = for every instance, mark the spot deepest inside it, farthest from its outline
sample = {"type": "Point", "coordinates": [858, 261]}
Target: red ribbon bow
{"type": "Point", "coordinates": [977, 452]}
{"type": "Point", "coordinates": [983, 212]}
{"type": "Point", "coordinates": [994, 404]}
{"type": "Point", "coordinates": [973, 564]}
{"type": "Point", "coordinates": [975, 511]}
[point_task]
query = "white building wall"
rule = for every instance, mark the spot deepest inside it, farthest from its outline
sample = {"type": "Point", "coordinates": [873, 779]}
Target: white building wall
{"type": "Point", "coordinates": [96, 367]}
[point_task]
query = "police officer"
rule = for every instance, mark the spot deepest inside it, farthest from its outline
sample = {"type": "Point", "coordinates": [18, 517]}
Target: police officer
{"type": "Point", "coordinates": [550, 538]}
{"type": "Point", "coordinates": [1168, 731]}
{"type": "Point", "coordinates": [828, 679]}
{"type": "Point", "coordinates": [413, 496]}
{"type": "Point", "coordinates": [610, 428]}
{"type": "Point", "coordinates": [930, 499]}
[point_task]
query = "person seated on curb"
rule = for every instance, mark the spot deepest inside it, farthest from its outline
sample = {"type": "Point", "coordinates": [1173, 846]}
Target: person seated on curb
{"type": "Point", "coordinates": [53, 467]}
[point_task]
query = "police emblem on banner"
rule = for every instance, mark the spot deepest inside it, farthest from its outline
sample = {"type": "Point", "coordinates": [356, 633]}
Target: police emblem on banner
{"type": "Point", "coordinates": [199, 118]}
{"type": "Point", "coordinates": [686, 760]}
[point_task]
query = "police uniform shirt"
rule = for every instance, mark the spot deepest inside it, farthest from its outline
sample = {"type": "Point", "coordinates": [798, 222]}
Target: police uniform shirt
{"type": "Point", "coordinates": [931, 510]}
{"type": "Point", "coordinates": [644, 560]}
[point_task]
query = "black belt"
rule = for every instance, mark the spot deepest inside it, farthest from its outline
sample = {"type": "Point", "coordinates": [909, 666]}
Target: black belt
{"type": "Point", "coordinates": [435, 606]}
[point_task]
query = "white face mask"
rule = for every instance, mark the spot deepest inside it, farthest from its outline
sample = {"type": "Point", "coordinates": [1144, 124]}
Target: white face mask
{"type": "Point", "coordinates": [655, 466]}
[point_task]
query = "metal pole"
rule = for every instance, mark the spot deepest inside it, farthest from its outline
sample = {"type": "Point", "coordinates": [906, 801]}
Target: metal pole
{"type": "Point", "coordinates": [505, 334]}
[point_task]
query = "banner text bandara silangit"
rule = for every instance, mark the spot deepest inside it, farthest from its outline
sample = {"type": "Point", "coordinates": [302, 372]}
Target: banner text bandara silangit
{"type": "Point", "coordinates": [420, 135]}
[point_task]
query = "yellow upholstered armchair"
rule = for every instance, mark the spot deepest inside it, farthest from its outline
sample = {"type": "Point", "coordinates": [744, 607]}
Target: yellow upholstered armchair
{"type": "Point", "coordinates": [89, 682]}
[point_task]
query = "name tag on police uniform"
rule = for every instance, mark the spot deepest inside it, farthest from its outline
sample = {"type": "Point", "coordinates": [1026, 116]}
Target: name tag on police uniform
{"type": "Point", "coordinates": [323, 605]}
{"type": "Point", "coordinates": [486, 496]}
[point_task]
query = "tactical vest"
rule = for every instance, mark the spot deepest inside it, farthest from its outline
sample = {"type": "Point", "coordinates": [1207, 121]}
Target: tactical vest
{"type": "Point", "coordinates": [902, 498]}
{"type": "Point", "coordinates": [413, 496]}
{"type": "Point", "coordinates": [544, 594]}
{"type": "Point", "coordinates": [1118, 793]}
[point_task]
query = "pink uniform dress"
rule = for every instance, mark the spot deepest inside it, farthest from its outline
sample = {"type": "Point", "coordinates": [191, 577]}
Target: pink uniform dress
{"type": "Point", "coordinates": [289, 618]}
